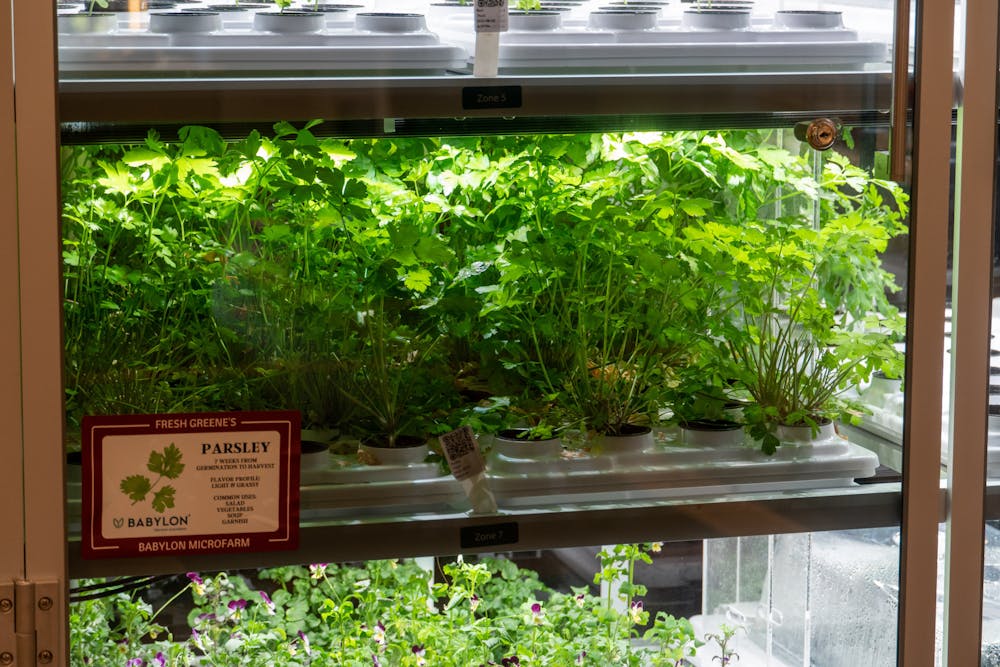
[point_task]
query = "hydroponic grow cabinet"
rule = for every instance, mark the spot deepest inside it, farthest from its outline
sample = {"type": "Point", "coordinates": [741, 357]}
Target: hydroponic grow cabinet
{"type": "Point", "coordinates": [106, 105]}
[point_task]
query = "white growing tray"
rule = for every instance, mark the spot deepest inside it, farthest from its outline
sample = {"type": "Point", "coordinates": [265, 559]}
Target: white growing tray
{"type": "Point", "coordinates": [243, 50]}
{"type": "Point", "coordinates": [677, 471]}
{"type": "Point", "coordinates": [363, 490]}
{"type": "Point", "coordinates": [575, 47]}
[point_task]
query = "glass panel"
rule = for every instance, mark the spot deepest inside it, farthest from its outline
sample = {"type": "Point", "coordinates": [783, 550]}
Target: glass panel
{"type": "Point", "coordinates": [167, 38]}
{"type": "Point", "coordinates": [700, 292]}
{"type": "Point", "coordinates": [812, 598]}
{"type": "Point", "coordinates": [617, 604]}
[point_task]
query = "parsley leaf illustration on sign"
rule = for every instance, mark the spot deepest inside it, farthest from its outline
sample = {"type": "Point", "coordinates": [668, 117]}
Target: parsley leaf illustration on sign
{"type": "Point", "coordinates": [166, 464]}
{"type": "Point", "coordinates": [136, 487]}
{"type": "Point", "coordinates": [163, 499]}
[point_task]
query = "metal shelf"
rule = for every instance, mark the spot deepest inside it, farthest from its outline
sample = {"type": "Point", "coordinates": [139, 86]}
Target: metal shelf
{"type": "Point", "coordinates": [865, 506]}
{"type": "Point", "coordinates": [745, 98]}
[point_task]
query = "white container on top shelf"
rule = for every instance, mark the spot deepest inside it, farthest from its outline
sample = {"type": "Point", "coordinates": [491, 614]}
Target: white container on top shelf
{"type": "Point", "coordinates": [440, 13]}
{"type": "Point", "coordinates": [623, 19]}
{"type": "Point", "coordinates": [289, 22]}
{"type": "Point", "coordinates": [233, 15]}
{"type": "Point", "coordinates": [716, 19]}
{"type": "Point", "coordinates": [712, 433]}
{"type": "Point", "coordinates": [805, 434]}
{"type": "Point", "coordinates": [86, 23]}
{"type": "Point", "coordinates": [335, 16]}
{"type": "Point", "coordinates": [809, 19]}
{"type": "Point", "coordinates": [534, 21]}
{"type": "Point", "coordinates": [393, 22]}
{"type": "Point", "coordinates": [178, 22]}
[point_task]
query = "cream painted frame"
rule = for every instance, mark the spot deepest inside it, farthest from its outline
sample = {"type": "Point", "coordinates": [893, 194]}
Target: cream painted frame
{"type": "Point", "coordinates": [36, 142]}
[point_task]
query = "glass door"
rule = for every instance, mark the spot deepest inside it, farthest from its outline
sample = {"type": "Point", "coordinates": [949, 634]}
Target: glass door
{"type": "Point", "coordinates": [638, 226]}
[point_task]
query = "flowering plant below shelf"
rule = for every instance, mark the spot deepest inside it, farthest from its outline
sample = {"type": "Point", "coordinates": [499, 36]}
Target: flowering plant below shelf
{"type": "Point", "coordinates": [488, 612]}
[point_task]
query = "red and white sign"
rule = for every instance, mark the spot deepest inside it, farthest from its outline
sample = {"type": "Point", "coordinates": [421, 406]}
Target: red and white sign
{"type": "Point", "coordinates": [201, 483]}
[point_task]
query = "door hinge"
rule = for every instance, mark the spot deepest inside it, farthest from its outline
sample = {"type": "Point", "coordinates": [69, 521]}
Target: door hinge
{"type": "Point", "coordinates": [29, 624]}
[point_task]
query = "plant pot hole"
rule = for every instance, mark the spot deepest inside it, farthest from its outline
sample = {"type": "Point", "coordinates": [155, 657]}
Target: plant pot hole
{"type": "Point", "coordinates": [313, 447]}
{"type": "Point", "coordinates": [711, 425]}
{"type": "Point", "coordinates": [518, 434]}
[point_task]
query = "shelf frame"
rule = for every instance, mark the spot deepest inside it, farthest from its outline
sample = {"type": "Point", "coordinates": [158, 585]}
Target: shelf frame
{"type": "Point", "coordinates": [863, 506]}
{"type": "Point", "coordinates": [214, 100]}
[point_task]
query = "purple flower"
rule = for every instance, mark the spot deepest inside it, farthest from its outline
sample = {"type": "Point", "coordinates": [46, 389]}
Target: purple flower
{"type": "Point", "coordinates": [197, 583]}
{"type": "Point", "coordinates": [205, 617]}
{"type": "Point", "coordinates": [580, 599]}
{"type": "Point", "coordinates": [266, 599]}
{"type": "Point", "coordinates": [635, 611]}
{"type": "Point", "coordinates": [579, 658]}
{"type": "Point", "coordinates": [136, 662]}
{"type": "Point", "coordinates": [317, 570]}
{"type": "Point", "coordinates": [537, 617]}
{"type": "Point", "coordinates": [161, 660]}
{"type": "Point", "coordinates": [474, 603]}
{"type": "Point", "coordinates": [375, 662]}
{"type": "Point", "coordinates": [236, 605]}
{"type": "Point", "coordinates": [511, 661]}
{"type": "Point", "coordinates": [379, 634]}
{"type": "Point", "coordinates": [419, 651]}
{"type": "Point", "coordinates": [305, 642]}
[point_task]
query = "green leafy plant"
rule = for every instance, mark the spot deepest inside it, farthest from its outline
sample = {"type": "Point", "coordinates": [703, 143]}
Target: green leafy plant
{"type": "Point", "coordinates": [674, 639]}
{"type": "Point", "coordinates": [604, 270]}
{"type": "Point", "coordinates": [103, 4]}
{"type": "Point", "coordinates": [393, 386]}
{"type": "Point", "coordinates": [793, 356]}
{"type": "Point", "coordinates": [165, 465]}
{"type": "Point", "coordinates": [723, 638]}
{"type": "Point", "coordinates": [473, 611]}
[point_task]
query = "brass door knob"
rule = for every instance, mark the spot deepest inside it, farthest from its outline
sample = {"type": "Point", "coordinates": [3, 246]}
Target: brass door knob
{"type": "Point", "coordinates": [821, 133]}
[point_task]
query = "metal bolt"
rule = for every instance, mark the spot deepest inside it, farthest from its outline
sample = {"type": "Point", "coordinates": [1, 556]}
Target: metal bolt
{"type": "Point", "coordinates": [6, 605]}
{"type": "Point", "coordinates": [45, 657]}
{"type": "Point", "coordinates": [6, 658]}
{"type": "Point", "coordinates": [45, 603]}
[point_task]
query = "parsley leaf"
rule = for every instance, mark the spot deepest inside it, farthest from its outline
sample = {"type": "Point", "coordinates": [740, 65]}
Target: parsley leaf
{"type": "Point", "coordinates": [136, 487]}
{"type": "Point", "coordinates": [168, 464]}
{"type": "Point", "coordinates": [163, 499]}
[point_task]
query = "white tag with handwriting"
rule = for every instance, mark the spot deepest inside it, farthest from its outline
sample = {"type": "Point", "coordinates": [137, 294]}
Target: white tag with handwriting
{"type": "Point", "coordinates": [491, 15]}
{"type": "Point", "coordinates": [462, 452]}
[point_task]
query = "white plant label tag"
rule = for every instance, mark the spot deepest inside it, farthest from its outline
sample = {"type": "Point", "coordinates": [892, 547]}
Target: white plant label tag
{"type": "Point", "coordinates": [491, 15]}
{"type": "Point", "coordinates": [462, 452]}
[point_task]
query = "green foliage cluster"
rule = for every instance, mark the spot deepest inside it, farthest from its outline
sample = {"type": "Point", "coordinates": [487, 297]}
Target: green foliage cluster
{"type": "Point", "coordinates": [484, 612]}
{"type": "Point", "coordinates": [382, 286]}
